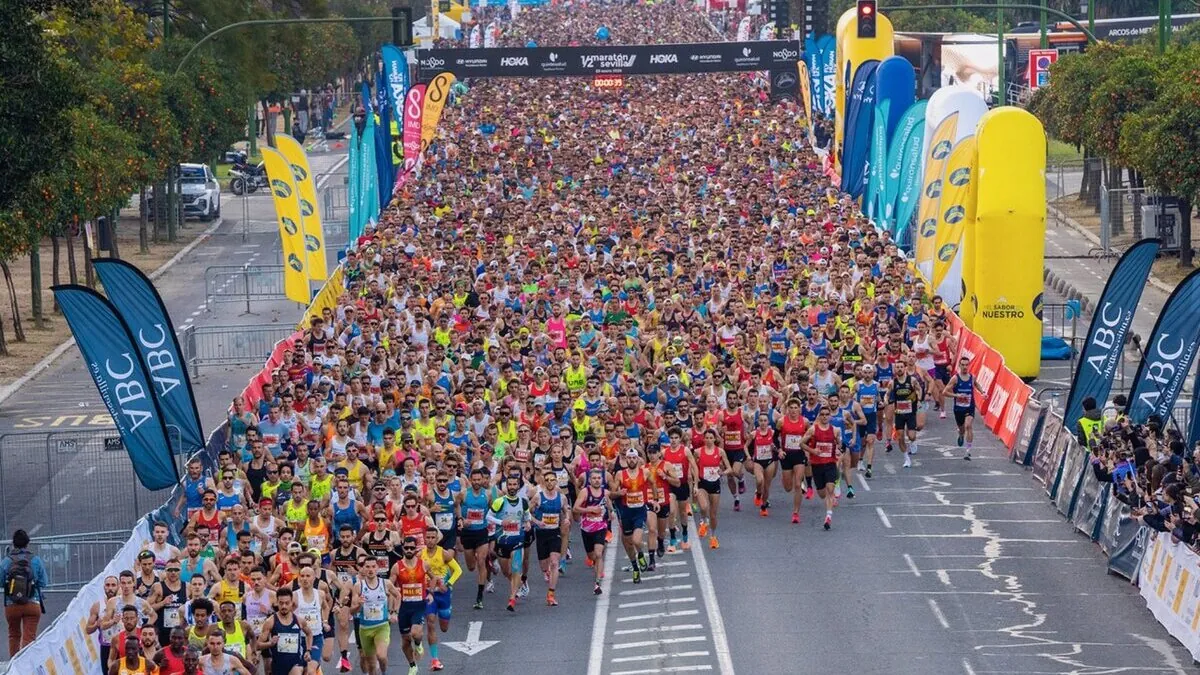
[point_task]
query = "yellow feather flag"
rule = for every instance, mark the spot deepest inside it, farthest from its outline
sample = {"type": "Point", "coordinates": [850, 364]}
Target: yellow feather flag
{"type": "Point", "coordinates": [287, 209]}
{"type": "Point", "coordinates": [806, 93]}
{"type": "Point", "coordinates": [957, 207]}
{"type": "Point", "coordinates": [310, 213]}
{"type": "Point", "coordinates": [936, 155]}
{"type": "Point", "coordinates": [435, 101]}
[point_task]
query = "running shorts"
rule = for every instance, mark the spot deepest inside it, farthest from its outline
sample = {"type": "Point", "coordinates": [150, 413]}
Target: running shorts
{"type": "Point", "coordinates": [871, 426]}
{"type": "Point", "coordinates": [371, 637]}
{"type": "Point", "coordinates": [793, 459]}
{"type": "Point", "coordinates": [632, 519]}
{"type": "Point", "coordinates": [712, 487]}
{"type": "Point", "coordinates": [449, 538]}
{"type": "Point", "coordinates": [411, 613]}
{"type": "Point", "coordinates": [824, 474]}
{"type": "Point", "coordinates": [505, 547]}
{"type": "Point", "coordinates": [736, 456]}
{"type": "Point", "coordinates": [439, 603]}
{"type": "Point", "coordinates": [593, 539]}
{"type": "Point", "coordinates": [941, 373]}
{"type": "Point", "coordinates": [902, 422]}
{"type": "Point", "coordinates": [682, 492]}
{"type": "Point", "coordinates": [473, 539]}
{"type": "Point", "coordinates": [960, 416]}
{"type": "Point", "coordinates": [548, 541]}
{"type": "Point", "coordinates": [663, 510]}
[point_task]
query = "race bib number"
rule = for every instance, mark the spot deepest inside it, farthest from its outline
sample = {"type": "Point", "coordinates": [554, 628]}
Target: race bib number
{"type": "Point", "coordinates": [345, 577]}
{"type": "Point", "coordinates": [550, 520]}
{"type": "Point", "coordinates": [867, 401]}
{"type": "Point", "coordinates": [792, 442]}
{"type": "Point", "coordinates": [635, 499]}
{"type": "Point", "coordinates": [171, 617]}
{"type": "Point", "coordinates": [904, 407]}
{"type": "Point", "coordinates": [373, 612]}
{"type": "Point", "coordinates": [732, 438]}
{"type": "Point", "coordinates": [824, 449]}
{"type": "Point", "coordinates": [511, 528]}
{"type": "Point", "coordinates": [412, 592]}
{"type": "Point", "coordinates": [312, 619]}
{"type": "Point", "coordinates": [712, 473]}
{"type": "Point", "coordinates": [317, 541]}
{"type": "Point", "coordinates": [444, 521]}
{"type": "Point", "coordinates": [289, 643]}
{"type": "Point", "coordinates": [962, 400]}
{"type": "Point", "coordinates": [763, 452]}
{"type": "Point", "coordinates": [678, 469]}
{"type": "Point", "coordinates": [474, 516]}
{"type": "Point", "coordinates": [269, 440]}
{"type": "Point", "coordinates": [257, 623]}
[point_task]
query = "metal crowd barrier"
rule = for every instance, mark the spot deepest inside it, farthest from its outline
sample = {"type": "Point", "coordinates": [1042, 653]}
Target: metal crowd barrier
{"type": "Point", "coordinates": [335, 201]}
{"type": "Point", "coordinates": [242, 283]}
{"type": "Point", "coordinates": [73, 560]}
{"type": "Point", "coordinates": [205, 346]}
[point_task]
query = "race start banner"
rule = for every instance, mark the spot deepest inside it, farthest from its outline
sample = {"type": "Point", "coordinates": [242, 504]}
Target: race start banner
{"type": "Point", "coordinates": [702, 57]}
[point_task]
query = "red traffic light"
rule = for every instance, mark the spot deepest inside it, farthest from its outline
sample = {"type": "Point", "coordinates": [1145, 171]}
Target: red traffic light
{"type": "Point", "coordinates": [866, 18]}
{"type": "Point", "coordinates": [866, 9]}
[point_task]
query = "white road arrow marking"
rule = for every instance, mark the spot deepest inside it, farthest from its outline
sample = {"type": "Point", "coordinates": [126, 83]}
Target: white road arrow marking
{"type": "Point", "coordinates": [472, 645]}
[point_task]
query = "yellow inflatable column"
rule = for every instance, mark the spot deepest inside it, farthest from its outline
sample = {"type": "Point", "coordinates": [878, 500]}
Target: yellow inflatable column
{"type": "Point", "coordinates": [1010, 236]}
{"type": "Point", "coordinates": [852, 51]}
{"type": "Point", "coordinates": [969, 303]}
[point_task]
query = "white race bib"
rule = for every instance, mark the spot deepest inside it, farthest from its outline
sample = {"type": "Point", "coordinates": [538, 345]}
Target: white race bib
{"type": "Point", "coordinates": [289, 643]}
{"type": "Point", "coordinates": [444, 521]}
{"type": "Point", "coordinates": [171, 617]}
{"type": "Point", "coordinates": [712, 473]}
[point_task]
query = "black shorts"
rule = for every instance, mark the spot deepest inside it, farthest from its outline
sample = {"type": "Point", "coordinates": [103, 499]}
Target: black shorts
{"type": "Point", "coordinates": [960, 416]}
{"type": "Point", "coordinates": [824, 474]}
{"type": "Point", "coordinates": [505, 548]}
{"type": "Point", "coordinates": [682, 492]}
{"type": "Point", "coordinates": [548, 541]}
{"type": "Point", "coordinates": [593, 539]}
{"type": "Point", "coordinates": [663, 510]}
{"type": "Point", "coordinates": [632, 519]}
{"type": "Point", "coordinates": [941, 373]}
{"type": "Point", "coordinates": [712, 487]}
{"type": "Point", "coordinates": [473, 539]}
{"type": "Point", "coordinates": [528, 539]}
{"type": "Point", "coordinates": [765, 463]}
{"type": "Point", "coordinates": [906, 421]}
{"type": "Point", "coordinates": [793, 459]}
{"type": "Point", "coordinates": [449, 538]}
{"type": "Point", "coordinates": [736, 456]}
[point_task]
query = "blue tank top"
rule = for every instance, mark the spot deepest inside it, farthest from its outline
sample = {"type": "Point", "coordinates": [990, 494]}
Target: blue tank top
{"type": "Point", "coordinates": [194, 491]}
{"type": "Point", "coordinates": [780, 344]}
{"type": "Point", "coordinates": [443, 515]}
{"type": "Point", "coordinates": [809, 414]}
{"type": "Point", "coordinates": [475, 508]}
{"type": "Point", "coordinates": [884, 374]}
{"type": "Point", "coordinates": [230, 537]}
{"type": "Point", "coordinates": [345, 516]}
{"type": "Point", "coordinates": [290, 637]}
{"type": "Point", "coordinates": [650, 397]}
{"type": "Point", "coordinates": [226, 502]}
{"type": "Point", "coordinates": [592, 408]}
{"type": "Point", "coordinates": [847, 429]}
{"type": "Point", "coordinates": [186, 573]}
{"type": "Point", "coordinates": [549, 506]}
{"type": "Point", "coordinates": [964, 393]}
{"type": "Point", "coordinates": [867, 397]}
{"type": "Point", "coordinates": [672, 399]}
{"type": "Point", "coordinates": [820, 347]}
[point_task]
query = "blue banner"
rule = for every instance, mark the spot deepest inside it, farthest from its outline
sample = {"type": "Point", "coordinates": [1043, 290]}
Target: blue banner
{"type": "Point", "coordinates": [1101, 354]}
{"type": "Point", "coordinates": [1194, 429]}
{"type": "Point", "coordinates": [395, 67]}
{"type": "Point", "coordinates": [896, 81]}
{"type": "Point", "coordinates": [1168, 356]}
{"type": "Point", "coordinates": [912, 121]}
{"type": "Point", "coordinates": [910, 186]}
{"type": "Point", "coordinates": [876, 164]}
{"type": "Point", "coordinates": [859, 114]}
{"type": "Point", "coordinates": [115, 364]}
{"type": "Point", "coordinates": [383, 145]}
{"type": "Point", "coordinates": [812, 58]}
{"type": "Point", "coordinates": [143, 311]}
{"type": "Point", "coordinates": [827, 47]}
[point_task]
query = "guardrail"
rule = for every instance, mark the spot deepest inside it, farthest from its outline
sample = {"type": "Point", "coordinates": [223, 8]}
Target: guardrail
{"type": "Point", "coordinates": [205, 346]}
{"type": "Point", "coordinates": [335, 201]}
{"type": "Point", "coordinates": [242, 283]}
{"type": "Point", "coordinates": [72, 560]}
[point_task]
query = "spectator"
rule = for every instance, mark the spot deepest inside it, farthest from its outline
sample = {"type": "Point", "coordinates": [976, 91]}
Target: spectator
{"type": "Point", "coordinates": [1087, 430]}
{"type": "Point", "coordinates": [23, 577]}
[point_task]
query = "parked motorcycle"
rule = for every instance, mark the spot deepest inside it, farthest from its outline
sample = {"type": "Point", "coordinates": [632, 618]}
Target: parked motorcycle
{"type": "Point", "coordinates": [246, 179]}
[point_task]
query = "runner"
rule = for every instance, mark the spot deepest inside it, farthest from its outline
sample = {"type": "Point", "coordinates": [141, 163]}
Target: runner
{"type": "Point", "coordinates": [822, 442]}
{"type": "Point", "coordinates": [593, 508]}
{"type": "Point", "coordinates": [792, 457]}
{"type": "Point", "coordinates": [548, 509]}
{"type": "Point", "coordinates": [509, 513]}
{"type": "Point", "coordinates": [411, 576]}
{"type": "Point", "coordinates": [633, 490]}
{"type": "Point", "coordinates": [905, 396]}
{"type": "Point", "coordinates": [444, 571]}
{"type": "Point", "coordinates": [962, 387]}
{"type": "Point", "coordinates": [707, 468]}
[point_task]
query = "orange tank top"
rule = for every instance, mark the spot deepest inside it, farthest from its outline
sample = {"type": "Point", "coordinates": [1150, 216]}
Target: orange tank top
{"type": "Point", "coordinates": [634, 485]}
{"type": "Point", "coordinates": [411, 581]}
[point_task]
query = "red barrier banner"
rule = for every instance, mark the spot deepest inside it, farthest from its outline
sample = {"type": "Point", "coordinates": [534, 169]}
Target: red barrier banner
{"type": "Point", "coordinates": [253, 391]}
{"type": "Point", "coordinates": [1010, 422]}
{"type": "Point", "coordinates": [985, 367]}
{"type": "Point", "coordinates": [1004, 389]}
{"type": "Point", "coordinates": [969, 347]}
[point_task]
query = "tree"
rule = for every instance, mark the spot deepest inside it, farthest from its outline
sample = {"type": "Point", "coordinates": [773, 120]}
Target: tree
{"type": "Point", "coordinates": [1163, 141]}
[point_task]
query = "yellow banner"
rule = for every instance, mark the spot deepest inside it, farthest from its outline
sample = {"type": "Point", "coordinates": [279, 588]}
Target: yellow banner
{"type": "Point", "coordinates": [310, 214]}
{"type": "Point", "coordinates": [287, 209]}
{"type": "Point", "coordinates": [326, 298]}
{"type": "Point", "coordinates": [957, 207]}
{"type": "Point", "coordinates": [435, 101]}
{"type": "Point", "coordinates": [936, 155]}
{"type": "Point", "coordinates": [806, 93]}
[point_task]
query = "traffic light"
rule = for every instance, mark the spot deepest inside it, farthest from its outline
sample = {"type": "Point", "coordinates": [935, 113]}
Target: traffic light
{"type": "Point", "coordinates": [778, 12]}
{"type": "Point", "coordinates": [866, 18]}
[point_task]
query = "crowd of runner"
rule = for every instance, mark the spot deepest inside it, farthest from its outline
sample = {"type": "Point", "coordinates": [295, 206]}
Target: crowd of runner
{"type": "Point", "coordinates": [597, 318]}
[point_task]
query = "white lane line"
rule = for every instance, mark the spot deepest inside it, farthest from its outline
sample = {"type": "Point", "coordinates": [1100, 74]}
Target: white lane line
{"type": "Point", "coordinates": [668, 669]}
{"type": "Point", "coordinates": [331, 170]}
{"type": "Point", "coordinates": [197, 312]}
{"type": "Point", "coordinates": [653, 577]}
{"type": "Point", "coordinates": [865, 484]}
{"type": "Point", "coordinates": [648, 657]}
{"type": "Point", "coordinates": [672, 563]}
{"type": "Point", "coordinates": [201, 306]}
{"type": "Point", "coordinates": [912, 565]}
{"type": "Point", "coordinates": [659, 615]}
{"type": "Point", "coordinates": [720, 641]}
{"type": "Point", "coordinates": [643, 591]}
{"type": "Point", "coordinates": [943, 576]}
{"type": "Point", "coordinates": [967, 667]}
{"type": "Point", "coordinates": [890, 468]}
{"type": "Point", "coordinates": [662, 641]}
{"type": "Point", "coordinates": [600, 617]}
{"type": "Point", "coordinates": [651, 603]}
{"type": "Point", "coordinates": [937, 614]}
{"type": "Point", "coordinates": [659, 629]}
{"type": "Point", "coordinates": [64, 499]}
{"type": "Point", "coordinates": [883, 517]}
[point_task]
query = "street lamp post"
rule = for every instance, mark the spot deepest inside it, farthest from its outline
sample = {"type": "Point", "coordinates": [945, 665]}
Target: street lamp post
{"type": "Point", "coordinates": [1164, 25]}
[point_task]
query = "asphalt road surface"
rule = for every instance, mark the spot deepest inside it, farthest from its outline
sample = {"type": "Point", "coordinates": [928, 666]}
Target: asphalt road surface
{"type": "Point", "coordinates": [71, 484]}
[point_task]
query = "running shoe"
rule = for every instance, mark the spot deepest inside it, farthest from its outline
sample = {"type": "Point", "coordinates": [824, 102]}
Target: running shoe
{"type": "Point", "coordinates": [478, 605]}
{"type": "Point", "coordinates": [568, 557]}
{"type": "Point", "coordinates": [637, 576]}
{"type": "Point", "coordinates": [345, 667]}
{"type": "Point", "coordinates": [960, 440]}
{"type": "Point", "coordinates": [491, 586]}
{"type": "Point", "coordinates": [889, 446]}
{"type": "Point", "coordinates": [562, 568]}
{"type": "Point", "coordinates": [550, 601]}
{"type": "Point", "coordinates": [808, 494]}
{"type": "Point", "coordinates": [868, 473]}
{"type": "Point", "coordinates": [828, 522]}
{"type": "Point", "coordinates": [907, 460]}
{"type": "Point", "coordinates": [412, 670]}
{"type": "Point", "coordinates": [435, 664]}
{"type": "Point", "coordinates": [967, 456]}
{"type": "Point", "coordinates": [651, 567]}
{"type": "Point", "coordinates": [850, 492]}
{"type": "Point", "coordinates": [795, 517]}
{"type": "Point", "coordinates": [685, 546]}
{"type": "Point", "coordinates": [596, 589]}
{"type": "Point", "coordinates": [713, 543]}
{"type": "Point", "coordinates": [737, 504]}
{"type": "Point", "coordinates": [758, 500]}
{"type": "Point", "coordinates": [942, 415]}
{"type": "Point", "coordinates": [608, 536]}
{"type": "Point", "coordinates": [674, 545]}
{"type": "Point", "coordinates": [523, 591]}
{"type": "Point", "coordinates": [741, 486]}
{"type": "Point", "coordinates": [641, 560]}
{"type": "Point", "coordinates": [702, 530]}
{"type": "Point", "coordinates": [512, 605]}
{"type": "Point", "coordinates": [862, 467]}
{"type": "Point", "coordinates": [762, 513]}
{"type": "Point", "coordinates": [419, 648]}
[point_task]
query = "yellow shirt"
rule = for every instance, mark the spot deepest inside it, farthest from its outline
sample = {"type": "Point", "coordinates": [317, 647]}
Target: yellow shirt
{"type": "Point", "coordinates": [356, 473]}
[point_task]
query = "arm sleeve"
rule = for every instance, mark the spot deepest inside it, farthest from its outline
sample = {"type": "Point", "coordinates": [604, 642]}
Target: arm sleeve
{"type": "Point", "coordinates": [455, 571]}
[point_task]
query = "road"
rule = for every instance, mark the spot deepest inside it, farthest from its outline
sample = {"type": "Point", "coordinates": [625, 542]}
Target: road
{"type": "Point", "coordinates": [52, 487]}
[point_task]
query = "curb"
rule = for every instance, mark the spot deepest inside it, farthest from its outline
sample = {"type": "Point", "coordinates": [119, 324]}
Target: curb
{"type": "Point", "coordinates": [1071, 223]}
{"type": "Point", "coordinates": [8, 390]}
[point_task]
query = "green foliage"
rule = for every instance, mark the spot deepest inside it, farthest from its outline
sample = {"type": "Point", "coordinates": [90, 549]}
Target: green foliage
{"type": "Point", "coordinates": [1163, 140]}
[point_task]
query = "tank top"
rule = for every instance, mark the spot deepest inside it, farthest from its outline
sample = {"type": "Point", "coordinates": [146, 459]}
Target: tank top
{"type": "Point", "coordinates": [413, 527]}
{"type": "Point", "coordinates": [235, 640]}
{"type": "Point", "coordinates": [824, 383]}
{"type": "Point", "coordinates": [258, 608]}
{"type": "Point", "coordinates": [140, 669]}
{"type": "Point", "coordinates": [791, 434]}
{"type": "Point", "coordinates": [474, 509]}
{"type": "Point", "coordinates": [443, 511]}
{"type": "Point", "coordinates": [193, 491]}
{"type": "Point", "coordinates": [964, 393]}
{"type": "Point", "coordinates": [941, 352]}
{"type": "Point", "coordinates": [923, 352]}
{"type": "Point", "coordinates": [635, 486]}
{"type": "Point", "coordinates": [709, 465]}
{"type": "Point", "coordinates": [868, 397]}
{"type": "Point", "coordinates": [225, 503]}
{"type": "Point", "coordinates": [436, 561]}
{"type": "Point", "coordinates": [374, 610]}
{"type": "Point", "coordinates": [676, 456]}
{"type": "Point", "coordinates": [171, 614]}
{"type": "Point", "coordinates": [904, 394]}
{"type": "Point", "coordinates": [213, 524]}
{"type": "Point", "coordinates": [658, 475]}
{"type": "Point", "coordinates": [291, 641]}
{"type": "Point", "coordinates": [172, 664]}
{"type": "Point", "coordinates": [764, 444]}
{"type": "Point", "coordinates": [734, 426]}
{"type": "Point", "coordinates": [824, 443]}
{"type": "Point", "coordinates": [316, 536]}
{"type": "Point", "coordinates": [295, 513]}
{"type": "Point", "coordinates": [227, 592]}
{"type": "Point", "coordinates": [411, 581]}
{"type": "Point", "coordinates": [189, 569]}
{"type": "Point", "coordinates": [309, 611]}
{"type": "Point", "coordinates": [549, 511]}
{"type": "Point", "coordinates": [589, 522]}
{"type": "Point", "coordinates": [320, 488]}
{"type": "Point", "coordinates": [810, 413]}
{"type": "Point", "coordinates": [346, 516]}
{"type": "Point", "coordinates": [381, 550]}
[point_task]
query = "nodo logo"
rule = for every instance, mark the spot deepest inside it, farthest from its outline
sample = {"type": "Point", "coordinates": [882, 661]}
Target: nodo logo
{"type": "Point", "coordinates": [311, 243]}
{"type": "Point", "coordinates": [946, 253]}
{"type": "Point", "coordinates": [941, 150]}
{"type": "Point", "coordinates": [294, 262]}
{"type": "Point", "coordinates": [928, 227]}
{"type": "Point", "coordinates": [954, 214]}
{"type": "Point", "coordinates": [289, 225]}
{"type": "Point", "coordinates": [306, 209]}
{"type": "Point", "coordinates": [960, 177]}
{"type": "Point", "coordinates": [281, 188]}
